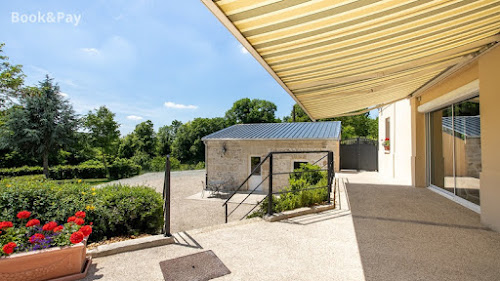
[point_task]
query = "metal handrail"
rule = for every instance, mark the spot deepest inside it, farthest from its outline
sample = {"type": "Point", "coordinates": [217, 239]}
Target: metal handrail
{"type": "Point", "coordinates": [249, 176]}
{"type": "Point", "coordinates": [269, 156]}
{"type": "Point", "coordinates": [247, 196]}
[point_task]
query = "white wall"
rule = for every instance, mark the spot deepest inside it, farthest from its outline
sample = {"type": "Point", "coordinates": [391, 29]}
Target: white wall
{"type": "Point", "coordinates": [395, 165]}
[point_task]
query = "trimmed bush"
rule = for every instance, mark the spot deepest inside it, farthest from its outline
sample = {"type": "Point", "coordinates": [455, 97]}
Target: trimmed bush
{"type": "Point", "coordinates": [58, 172]}
{"type": "Point", "coordinates": [80, 171]}
{"type": "Point", "coordinates": [123, 168]}
{"type": "Point", "coordinates": [20, 171]}
{"type": "Point", "coordinates": [298, 197]}
{"type": "Point", "coordinates": [113, 210]}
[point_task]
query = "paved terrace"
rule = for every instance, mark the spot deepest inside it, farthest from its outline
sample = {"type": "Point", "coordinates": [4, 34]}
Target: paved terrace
{"type": "Point", "coordinates": [381, 232]}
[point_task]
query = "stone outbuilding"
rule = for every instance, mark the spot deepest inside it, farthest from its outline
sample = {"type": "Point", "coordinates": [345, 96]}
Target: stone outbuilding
{"type": "Point", "coordinates": [232, 153]}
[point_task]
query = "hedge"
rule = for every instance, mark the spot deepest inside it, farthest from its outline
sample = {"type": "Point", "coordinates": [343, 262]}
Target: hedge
{"type": "Point", "coordinates": [114, 210]}
{"type": "Point", "coordinates": [123, 168]}
{"type": "Point", "coordinates": [120, 168]}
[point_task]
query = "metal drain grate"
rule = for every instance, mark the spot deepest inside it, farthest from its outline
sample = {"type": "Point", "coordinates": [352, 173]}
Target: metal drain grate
{"type": "Point", "coordinates": [196, 267]}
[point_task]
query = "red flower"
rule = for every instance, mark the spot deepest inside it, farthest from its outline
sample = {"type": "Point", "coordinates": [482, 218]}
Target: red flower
{"type": "Point", "coordinates": [70, 219]}
{"type": "Point", "coordinates": [76, 237]}
{"type": "Point", "coordinates": [86, 230]}
{"type": "Point", "coordinates": [23, 215]}
{"type": "Point", "coordinates": [6, 224]}
{"type": "Point", "coordinates": [80, 214]}
{"type": "Point", "coordinates": [32, 222]}
{"type": "Point", "coordinates": [79, 221]}
{"type": "Point", "coordinates": [36, 238]}
{"type": "Point", "coordinates": [9, 248]}
{"type": "Point", "coordinates": [58, 228]}
{"type": "Point", "coordinates": [50, 226]}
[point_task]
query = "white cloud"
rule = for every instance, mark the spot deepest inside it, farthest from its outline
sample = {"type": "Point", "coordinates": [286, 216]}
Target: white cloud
{"type": "Point", "coordinates": [243, 50]}
{"type": "Point", "coordinates": [90, 51]}
{"type": "Point", "coordinates": [63, 94]}
{"type": "Point", "coordinates": [134, 117]}
{"type": "Point", "coordinates": [170, 104]}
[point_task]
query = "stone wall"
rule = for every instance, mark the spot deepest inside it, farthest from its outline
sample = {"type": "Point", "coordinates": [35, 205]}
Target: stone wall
{"type": "Point", "coordinates": [229, 161]}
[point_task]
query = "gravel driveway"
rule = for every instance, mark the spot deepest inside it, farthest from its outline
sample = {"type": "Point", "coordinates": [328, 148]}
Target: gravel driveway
{"type": "Point", "coordinates": [187, 213]}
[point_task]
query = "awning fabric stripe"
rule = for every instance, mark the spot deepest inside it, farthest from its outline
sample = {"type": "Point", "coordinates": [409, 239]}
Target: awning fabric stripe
{"type": "Point", "coordinates": [336, 57]}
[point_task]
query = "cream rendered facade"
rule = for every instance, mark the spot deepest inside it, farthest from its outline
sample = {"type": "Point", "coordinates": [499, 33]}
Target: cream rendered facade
{"type": "Point", "coordinates": [408, 160]}
{"type": "Point", "coordinates": [395, 123]}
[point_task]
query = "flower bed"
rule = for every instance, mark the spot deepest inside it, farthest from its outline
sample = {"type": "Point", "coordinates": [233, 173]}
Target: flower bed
{"type": "Point", "coordinates": [26, 235]}
{"type": "Point", "coordinates": [32, 251]}
{"type": "Point", "coordinates": [114, 210]}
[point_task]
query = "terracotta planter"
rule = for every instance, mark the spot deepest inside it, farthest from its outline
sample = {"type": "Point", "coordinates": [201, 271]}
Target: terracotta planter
{"type": "Point", "coordinates": [58, 262]}
{"type": "Point", "coordinates": [387, 148]}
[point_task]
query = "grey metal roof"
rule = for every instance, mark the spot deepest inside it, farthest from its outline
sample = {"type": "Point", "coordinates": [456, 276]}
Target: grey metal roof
{"type": "Point", "coordinates": [279, 131]}
{"type": "Point", "coordinates": [466, 125]}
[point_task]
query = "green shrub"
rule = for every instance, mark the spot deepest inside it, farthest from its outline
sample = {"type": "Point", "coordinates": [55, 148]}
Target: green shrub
{"type": "Point", "coordinates": [158, 164]}
{"type": "Point", "coordinates": [143, 160]}
{"type": "Point", "coordinates": [123, 168]}
{"type": "Point", "coordinates": [79, 171]}
{"type": "Point", "coordinates": [20, 171]}
{"type": "Point", "coordinates": [113, 210]}
{"type": "Point", "coordinates": [200, 166]}
{"type": "Point", "coordinates": [297, 197]}
{"type": "Point", "coordinates": [175, 164]}
{"type": "Point", "coordinates": [58, 172]}
{"type": "Point", "coordinates": [92, 162]}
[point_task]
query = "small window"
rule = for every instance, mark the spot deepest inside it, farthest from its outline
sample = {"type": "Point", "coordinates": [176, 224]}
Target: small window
{"type": "Point", "coordinates": [254, 161]}
{"type": "Point", "coordinates": [388, 128]}
{"type": "Point", "coordinates": [296, 164]}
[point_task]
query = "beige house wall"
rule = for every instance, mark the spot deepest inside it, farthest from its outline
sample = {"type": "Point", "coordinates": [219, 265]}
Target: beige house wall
{"type": "Point", "coordinates": [229, 161]}
{"type": "Point", "coordinates": [487, 70]}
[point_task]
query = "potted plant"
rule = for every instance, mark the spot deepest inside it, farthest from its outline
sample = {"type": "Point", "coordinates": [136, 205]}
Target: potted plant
{"type": "Point", "coordinates": [387, 145]}
{"type": "Point", "coordinates": [32, 251]}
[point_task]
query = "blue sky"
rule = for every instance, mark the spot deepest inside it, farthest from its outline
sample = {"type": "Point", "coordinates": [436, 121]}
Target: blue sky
{"type": "Point", "coordinates": [142, 59]}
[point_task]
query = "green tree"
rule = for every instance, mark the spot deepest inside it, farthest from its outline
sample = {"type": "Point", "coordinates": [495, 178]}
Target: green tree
{"type": "Point", "coordinates": [141, 140]}
{"type": "Point", "coordinates": [245, 111]}
{"type": "Point", "coordinates": [165, 137]}
{"type": "Point", "coordinates": [300, 115]}
{"type": "Point", "coordinates": [188, 146]}
{"type": "Point", "coordinates": [144, 137]}
{"type": "Point", "coordinates": [360, 125]}
{"type": "Point", "coordinates": [44, 123]}
{"type": "Point", "coordinates": [127, 148]}
{"type": "Point", "coordinates": [11, 79]}
{"type": "Point", "coordinates": [104, 133]}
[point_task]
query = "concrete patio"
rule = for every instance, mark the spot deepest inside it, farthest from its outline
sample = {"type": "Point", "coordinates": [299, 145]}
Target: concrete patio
{"type": "Point", "coordinates": [381, 232]}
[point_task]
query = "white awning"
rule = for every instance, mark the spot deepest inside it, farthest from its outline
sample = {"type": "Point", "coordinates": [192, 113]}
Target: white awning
{"type": "Point", "coordinates": [340, 57]}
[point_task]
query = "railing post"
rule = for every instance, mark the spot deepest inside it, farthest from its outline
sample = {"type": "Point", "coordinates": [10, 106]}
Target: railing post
{"type": "Point", "coordinates": [270, 194]}
{"type": "Point", "coordinates": [166, 199]}
{"type": "Point", "coordinates": [330, 171]}
{"type": "Point", "coordinates": [226, 212]}
{"type": "Point", "coordinates": [358, 156]}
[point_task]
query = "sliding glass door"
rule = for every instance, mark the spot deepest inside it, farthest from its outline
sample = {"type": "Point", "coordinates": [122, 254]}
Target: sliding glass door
{"type": "Point", "coordinates": [455, 149]}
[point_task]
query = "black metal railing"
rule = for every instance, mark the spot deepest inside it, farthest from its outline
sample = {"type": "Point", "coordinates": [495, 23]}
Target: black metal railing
{"type": "Point", "coordinates": [166, 199]}
{"type": "Point", "coordinates": [269, 178]}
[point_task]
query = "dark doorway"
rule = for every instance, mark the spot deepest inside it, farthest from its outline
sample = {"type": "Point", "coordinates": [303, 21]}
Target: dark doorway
{"type": "Point", "coordinates": [359, 154]}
